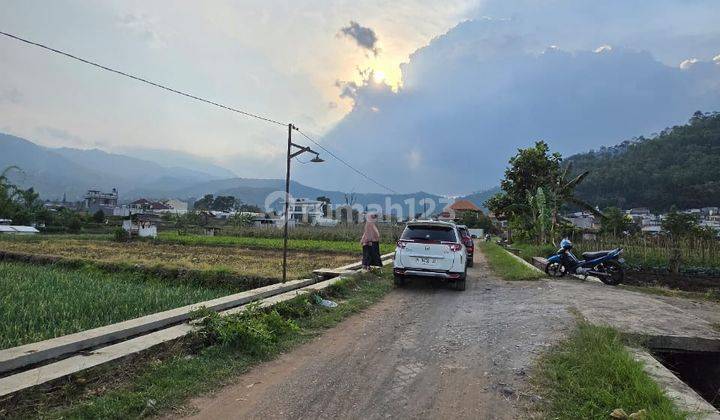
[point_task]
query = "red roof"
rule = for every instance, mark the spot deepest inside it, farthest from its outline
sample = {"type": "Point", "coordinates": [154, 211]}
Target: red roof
{"type": "Point", "coordinates": [464, 205]}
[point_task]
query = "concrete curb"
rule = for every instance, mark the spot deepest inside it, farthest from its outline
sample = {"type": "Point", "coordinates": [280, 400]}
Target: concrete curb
{"type": "Point", "coordinates": [28, 354]}
{"type": "Point", "coordinates": [74, 364]}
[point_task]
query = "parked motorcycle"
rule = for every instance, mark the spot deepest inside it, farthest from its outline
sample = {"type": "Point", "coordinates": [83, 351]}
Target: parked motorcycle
{"type": "Point", "coordinates": [605, 265]}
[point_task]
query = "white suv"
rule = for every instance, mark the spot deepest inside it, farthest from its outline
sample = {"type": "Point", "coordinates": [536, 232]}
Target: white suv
{"type": "Point", "coordinates": [431, 249]}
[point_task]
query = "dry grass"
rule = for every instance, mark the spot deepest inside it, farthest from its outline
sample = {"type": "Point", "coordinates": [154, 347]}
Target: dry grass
{"type": "Point", "coordinates": [260, 263]}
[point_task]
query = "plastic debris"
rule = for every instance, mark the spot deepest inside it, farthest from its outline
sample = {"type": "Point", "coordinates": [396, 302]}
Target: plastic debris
{"type": "Point", "coordinates": [328, 303]}
{"type": "Point", "coordinates": [324, 302]}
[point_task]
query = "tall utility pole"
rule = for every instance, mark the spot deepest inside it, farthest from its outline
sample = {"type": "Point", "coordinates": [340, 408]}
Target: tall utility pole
{"type": "Point", "coordinates": [290, 155]}
{"type": "Point", "coordinates": [287, 202]}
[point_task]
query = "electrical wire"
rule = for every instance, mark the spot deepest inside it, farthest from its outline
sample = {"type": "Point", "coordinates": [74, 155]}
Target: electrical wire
{"type": "Point", "coordinates": [359, 172]}
{"type": "Point", "coordinates": [143, 80]}
{"type": "Point", "coordinates": [197, 98]}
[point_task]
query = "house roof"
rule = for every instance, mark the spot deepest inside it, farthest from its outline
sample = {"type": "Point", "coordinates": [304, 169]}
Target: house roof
{"type": "Point", "coordinates": [159, 206]}
{"type": "Point", "coordinates": [17, 229]}
{"type": "Point", "coordinates": [140, 201]}
{"type": "Point", "coordinates": [463, 205]}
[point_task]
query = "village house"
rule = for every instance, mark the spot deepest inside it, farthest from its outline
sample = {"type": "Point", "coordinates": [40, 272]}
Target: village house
{"type": "Point", "coordinates": [583, 220]}
{"type": "Point", "coordinates": [144, 205]}
{"type": "Point", "coordinates": [458, 209]}
{"type": "Point", "coordinates": [96, 200]}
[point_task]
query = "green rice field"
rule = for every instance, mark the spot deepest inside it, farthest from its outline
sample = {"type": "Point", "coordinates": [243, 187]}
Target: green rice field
{"type": "Point", "coordinates": [41, 302]}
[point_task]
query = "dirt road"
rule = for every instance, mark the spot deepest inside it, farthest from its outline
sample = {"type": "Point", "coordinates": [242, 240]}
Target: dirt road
{"type": "Point", "coordinates": [424, 351]}
{"type": "Point", "coordinates": [427, 351]}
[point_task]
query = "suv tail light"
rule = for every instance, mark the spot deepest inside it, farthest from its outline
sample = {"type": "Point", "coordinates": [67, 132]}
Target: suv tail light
{"type": "Point", "coordinates": [455, 247]}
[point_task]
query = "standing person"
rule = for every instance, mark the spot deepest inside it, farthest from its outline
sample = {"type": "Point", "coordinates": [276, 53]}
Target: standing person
{"type": "Point", "coordinates": [371, 243]}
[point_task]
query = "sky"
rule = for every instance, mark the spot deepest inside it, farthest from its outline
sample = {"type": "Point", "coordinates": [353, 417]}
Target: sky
{"type": "Point", "coordinates": [421, 95]}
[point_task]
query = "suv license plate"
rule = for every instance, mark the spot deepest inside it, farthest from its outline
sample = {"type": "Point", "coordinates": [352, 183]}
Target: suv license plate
{"type": "Point", "coordinates": [422, 260]}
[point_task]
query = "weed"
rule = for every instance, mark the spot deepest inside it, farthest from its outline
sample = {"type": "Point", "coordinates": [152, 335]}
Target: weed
{"type": "Point", "coordinates": [507, 266]}
{"type": "Point", "coordinates": [251, 331]}
{"type": "Point", "coordinates": [591, 373]}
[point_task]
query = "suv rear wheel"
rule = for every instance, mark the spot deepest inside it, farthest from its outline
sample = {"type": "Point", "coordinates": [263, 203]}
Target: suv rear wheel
{"type": "Point", "coordinates": [460, 283]}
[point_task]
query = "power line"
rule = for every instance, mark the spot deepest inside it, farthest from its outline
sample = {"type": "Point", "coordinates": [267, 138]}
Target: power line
{"type": "Point", "coordinates": [197, 98]}
{"type": "Point", "coordinates": [140, 79]}
{"type": "Point", "coordinates": [347, 164]}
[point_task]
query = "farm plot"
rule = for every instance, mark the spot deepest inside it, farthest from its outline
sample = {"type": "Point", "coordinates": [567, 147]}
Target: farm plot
{"type": "Point", "coordinates": [41, 302]}
{"type": "Point", "coordinates": [233, 260]}
{"type": "Point", "coordinates": [323, 245]}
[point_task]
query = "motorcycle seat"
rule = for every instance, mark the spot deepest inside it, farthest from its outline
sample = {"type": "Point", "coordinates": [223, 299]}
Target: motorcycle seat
{"type": "Point", "coordinates": [596, 254]}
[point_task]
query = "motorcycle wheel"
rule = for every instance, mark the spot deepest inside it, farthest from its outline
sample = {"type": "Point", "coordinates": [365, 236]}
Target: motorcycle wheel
{"type": "Point", "coordinates": [615, 272]}
{"type": "Point", "coordinates": [555, 269]}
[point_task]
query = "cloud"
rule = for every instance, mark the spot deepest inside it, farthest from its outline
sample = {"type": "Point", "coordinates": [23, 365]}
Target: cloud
{"type": "Point", "coordinates": [365, 37]}
{"type": "Point", "coordinates": [347, 89]}
{"type": "Point", "coordinates": [64, 136]}
{"type": "Point", "coordinates": [143, 26]}
{"type": "Point", "coordinates": [10, 95]}
{"type": "Point", "coordinates": [414, 158]}
{"type": "Point", "coordinates": [686, 64]}
{"type": "Point", "coordinates": [476, 94]}
{"type": "Point", "coordinates": [603, 49]}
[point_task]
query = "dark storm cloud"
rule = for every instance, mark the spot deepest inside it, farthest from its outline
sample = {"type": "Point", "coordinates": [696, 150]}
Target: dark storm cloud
{"type": "Point", "coordinates": [365, 37]}
{"type": "Point", "coordinates": [474, 95]}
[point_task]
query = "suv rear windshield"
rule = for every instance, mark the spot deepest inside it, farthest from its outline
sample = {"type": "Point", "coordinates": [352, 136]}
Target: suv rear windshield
{"type": "Point", "coordinates": [429, 233]}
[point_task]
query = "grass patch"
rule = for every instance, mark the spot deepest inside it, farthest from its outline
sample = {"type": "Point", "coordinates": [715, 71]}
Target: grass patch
{"type": "Point", "coordinates": [41, 302]}
{"type": "Point", "coordinates": [591, 374]}
{"type": "Point", "coordinates": [528, 251]}
{"type": "Point", "coordinates": [224, 260]}
{"type": "Point", "coordinates": [222, 351]}
{"type": "Point", "coordinates": [505, 265]}
{"type": "Point", "coordinates": [352, 247]}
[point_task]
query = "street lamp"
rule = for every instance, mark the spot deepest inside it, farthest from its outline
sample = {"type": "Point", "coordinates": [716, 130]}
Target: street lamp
{"type": "Point", "coordinates": [290, 154]}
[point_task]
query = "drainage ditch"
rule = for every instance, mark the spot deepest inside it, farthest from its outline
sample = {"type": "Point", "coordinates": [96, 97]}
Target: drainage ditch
{"type": "Point", "coordinates": [699, 370]}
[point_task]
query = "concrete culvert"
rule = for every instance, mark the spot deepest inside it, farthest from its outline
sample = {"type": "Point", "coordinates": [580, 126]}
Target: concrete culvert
{"type": "Point", "coordinates": [700, 370]}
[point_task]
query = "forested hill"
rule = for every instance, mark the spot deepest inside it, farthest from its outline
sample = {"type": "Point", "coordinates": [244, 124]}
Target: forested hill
{"type": "Point", "coordinates": [680, 166]}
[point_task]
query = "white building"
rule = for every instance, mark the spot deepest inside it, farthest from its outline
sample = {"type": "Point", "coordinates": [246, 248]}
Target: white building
{"type": "Point", "coordinates": [302, 210]}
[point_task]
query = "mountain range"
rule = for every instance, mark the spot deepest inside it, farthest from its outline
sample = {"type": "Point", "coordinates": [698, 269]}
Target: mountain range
{"type": "Point", "coordinates": [678, 167]}
{"type": "Point", "coordinates": [66, 172]}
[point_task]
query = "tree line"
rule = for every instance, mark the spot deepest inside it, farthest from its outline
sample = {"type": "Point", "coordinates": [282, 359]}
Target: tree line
{"type": "Point", "coordinates": [679, 167]}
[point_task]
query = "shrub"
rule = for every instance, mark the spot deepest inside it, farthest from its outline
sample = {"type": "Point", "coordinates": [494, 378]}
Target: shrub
{"type": "Point", "coordinates": [120, 235]}
{"type": "Point", "coordinates": [252, 331]}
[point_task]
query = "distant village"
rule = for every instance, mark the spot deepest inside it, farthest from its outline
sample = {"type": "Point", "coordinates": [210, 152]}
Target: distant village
{"type": "Point", "coordinates": [648, 222]}
{"type": "Point", "coordinates": [142, 216]}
